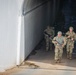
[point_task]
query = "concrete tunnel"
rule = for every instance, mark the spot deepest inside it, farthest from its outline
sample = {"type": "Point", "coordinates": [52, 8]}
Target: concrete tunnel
{"type": "Point", "coordinates": [23, 22]}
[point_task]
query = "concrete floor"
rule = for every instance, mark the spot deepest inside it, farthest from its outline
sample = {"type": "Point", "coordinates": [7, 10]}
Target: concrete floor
{"type": "Point", "coordinates": [45, 72]}
{"type": "Point", "coordinates": [42, 56]}
{"type": "Point", "coordinates": [45, 62]}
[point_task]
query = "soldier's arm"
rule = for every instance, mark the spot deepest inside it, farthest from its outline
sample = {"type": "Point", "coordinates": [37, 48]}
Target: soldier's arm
{"type": "Point", "coordinates": [64, 41]}
{"type": "Point", "coordinates": [54, 40]}
{"type": "Point", "coordinates": [67, 35]}
{"type": "Point", "coordinates": [74, 36]}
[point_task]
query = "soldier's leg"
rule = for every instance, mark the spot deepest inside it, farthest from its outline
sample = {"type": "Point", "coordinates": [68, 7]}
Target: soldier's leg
{"type": "Point", "coordinates": [71, 51]}
{"type": "Point", "coordinates": [56, 55]}
{"type": "Point", "coordinates": [68, 51]}
{"type": "Point", "coordinates": [50, 45]}
{"type": "Point", "coordinates": [60, 54]}
{"type": "Point", "coordinates": [47, 44]}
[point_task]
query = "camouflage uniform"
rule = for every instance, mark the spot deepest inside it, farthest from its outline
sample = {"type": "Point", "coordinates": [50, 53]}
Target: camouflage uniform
{"type": "Point", "coordinates": [70, 43]}
{"type": "Point", "coordinates": [58, 42]}
{"type": "Point", "coordinates": [49, 37]}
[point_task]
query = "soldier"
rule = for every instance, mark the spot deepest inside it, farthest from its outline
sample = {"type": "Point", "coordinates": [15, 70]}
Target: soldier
{"type": "Point", "coordinates": [49, 34]}
{"type": "Point", "coordinates": [70, 36]}
{"type": "Point", "coordinates": [59, 41]}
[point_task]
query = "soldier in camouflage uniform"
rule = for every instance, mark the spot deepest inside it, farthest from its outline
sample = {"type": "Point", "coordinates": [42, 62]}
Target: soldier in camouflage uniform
{"type": "Point", "coordinates": [59, 41]}
{"type": "Point", "coordinates": [51, 37]}
{"type": "Point", "coordinates": [70, 36]}
{"type": "Point", "coordinates": [49, 34]}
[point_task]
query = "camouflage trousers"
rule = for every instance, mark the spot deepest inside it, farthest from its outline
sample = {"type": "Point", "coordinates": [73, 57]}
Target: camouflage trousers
{"type": "Point", "coordinates": [48, 44]}
{"type": "Point", "coordinates": [70, 49]}
{"type": "Point", "coordinates": [58, 53]}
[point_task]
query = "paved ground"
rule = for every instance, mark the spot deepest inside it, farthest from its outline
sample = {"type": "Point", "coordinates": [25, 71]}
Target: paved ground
{"type": "Point", "coordinates": [40, 56]}
{"type": "Point", "coordinates": [41, 62]}
{"type": "Point", "coordinates": [45, 72]}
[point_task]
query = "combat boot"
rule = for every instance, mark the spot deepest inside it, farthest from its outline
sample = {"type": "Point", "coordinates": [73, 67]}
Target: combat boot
{"type": "Point", "coordinates": [67, 56]}
{"type": "Point", "coordinates": [59, 61]}
{"type": "Point", "coordinates": [70, 56]}
{"type": "Point", "coordinates": [56, 61]}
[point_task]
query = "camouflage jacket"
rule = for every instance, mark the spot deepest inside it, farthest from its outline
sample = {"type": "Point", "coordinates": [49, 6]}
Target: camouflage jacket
{"type": "Point", "coordinates": [72, 36]}
{"type": "Point", "coordinates": [59, 41]}
{"type": "Point", "coordinates": [49, 32]}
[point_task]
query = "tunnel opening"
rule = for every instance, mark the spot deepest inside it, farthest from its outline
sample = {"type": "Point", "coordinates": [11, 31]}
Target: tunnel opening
{"type": "Point", "coordinates": [40, 14]}
{"type": "Point", "coordinates": [66, 16]}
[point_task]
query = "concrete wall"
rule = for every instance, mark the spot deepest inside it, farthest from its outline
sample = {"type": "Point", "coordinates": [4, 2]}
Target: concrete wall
{"type": "Point", "coordinates": [8, 32]}
{"type": "Point", "coordinates": [35, 22]}
{"type": "Point", "coordinates": [10, 12]}
{"type": "Point", "coordinates": [32, 27]}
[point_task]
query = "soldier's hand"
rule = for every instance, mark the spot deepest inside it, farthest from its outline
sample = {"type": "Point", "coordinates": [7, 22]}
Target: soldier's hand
{"type": "Point", "coordinates": [63, 45]}
{"type": "Point", "coordinates": [56, 42]}
{"type": "Point", "coordinates": [68, 37]}
{"type": "Point", "coordinates": [72, 39]}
